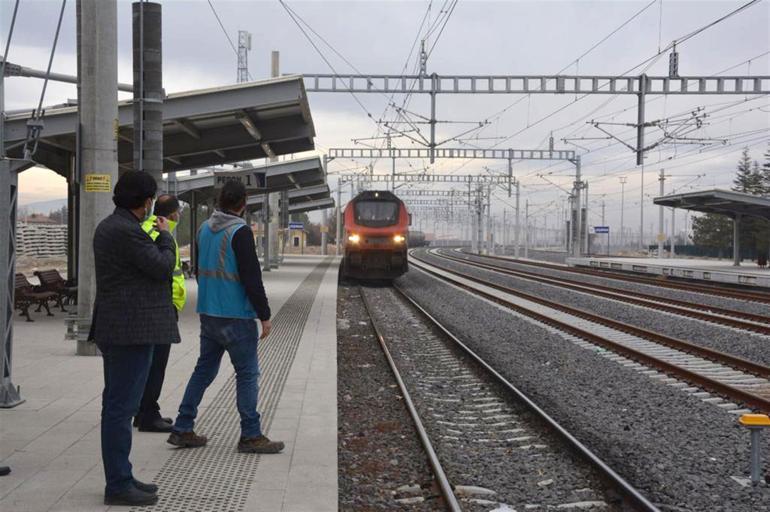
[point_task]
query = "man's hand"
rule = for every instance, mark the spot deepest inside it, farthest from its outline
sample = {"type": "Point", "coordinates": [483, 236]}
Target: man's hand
{"type": "Point", "coordinates": [161, 224]}
{"type": "Point", "coordinates": [267, 326]}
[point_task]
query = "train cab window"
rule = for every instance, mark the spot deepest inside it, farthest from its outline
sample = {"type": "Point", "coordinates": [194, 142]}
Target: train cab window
{"type": "Point", "coordinates": [376, 213]}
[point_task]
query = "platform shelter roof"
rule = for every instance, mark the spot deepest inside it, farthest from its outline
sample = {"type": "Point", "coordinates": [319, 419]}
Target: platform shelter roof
{"type": "Point", "coordinates": [719, 201]}
{"type": "Point", "coordinates": [293, 175]}
{"type": "Point", "coordinates": [201, 128]}
{"type": "Point", "coordinates": [296, 197]}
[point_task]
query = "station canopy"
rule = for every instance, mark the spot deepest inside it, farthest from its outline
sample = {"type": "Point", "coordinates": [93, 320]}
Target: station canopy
{"type": "Point", "coordinates": [294, 175]}
{"type": "Point", "coordinates": [300, 200]}
{"type": "Point", "coordinates": [201, 128]}
{"type": "Point", "coordinates": [723, 202]}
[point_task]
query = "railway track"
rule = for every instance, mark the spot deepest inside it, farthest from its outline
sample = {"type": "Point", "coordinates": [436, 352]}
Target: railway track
{"type": "Point", "coordinates": [719, 291]}
{"type": "Point", "coordinates": [476, 411]}
{"type": "Point", "coordinates": [712, 314]}
{"type": "Point", "coordinates": [736, 378]}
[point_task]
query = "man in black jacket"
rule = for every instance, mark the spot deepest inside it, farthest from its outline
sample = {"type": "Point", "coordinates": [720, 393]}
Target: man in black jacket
{"type": "Point", "coordinates": [133, 311]}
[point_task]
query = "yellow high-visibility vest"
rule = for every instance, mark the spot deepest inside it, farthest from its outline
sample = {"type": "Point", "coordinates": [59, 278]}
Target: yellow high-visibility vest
{"type": "Point", "coordinates": [178, 290]}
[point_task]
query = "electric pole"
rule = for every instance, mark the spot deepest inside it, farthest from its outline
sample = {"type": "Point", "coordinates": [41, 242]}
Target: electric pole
{"type": "Point", "coordinates": [661, 234]}
{"type": "Point", "coordinates": [623, 180]}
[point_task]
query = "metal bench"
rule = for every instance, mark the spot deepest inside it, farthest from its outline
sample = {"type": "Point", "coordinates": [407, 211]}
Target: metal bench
{"type": "Point", "coordinates": [26, 295]}
{"type": "Point", "coordinates": [52, 281]}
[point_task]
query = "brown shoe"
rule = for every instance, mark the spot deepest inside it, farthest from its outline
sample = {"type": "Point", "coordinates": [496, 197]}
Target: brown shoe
{"type": "Point", "coordinates": [259, 444]}
{"type": "Point", "coordinates": [187, 439]}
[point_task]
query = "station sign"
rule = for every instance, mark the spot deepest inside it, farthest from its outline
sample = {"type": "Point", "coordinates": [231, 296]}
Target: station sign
{"type": "Point", "coordinates": [296, 225]}
{"type": "Point", "coordinates": [602, 230]}
{"type": "Point", "coordinates": [252, 180]}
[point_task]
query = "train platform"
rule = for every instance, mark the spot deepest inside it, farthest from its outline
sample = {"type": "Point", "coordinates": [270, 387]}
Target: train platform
{"type": "Point", "coordinates": [716, 271]}
{"type": "Point", "coordinates": [52, 441]}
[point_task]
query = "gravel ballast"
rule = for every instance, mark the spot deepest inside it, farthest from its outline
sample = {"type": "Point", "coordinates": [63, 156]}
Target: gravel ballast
{"type": "Point", "coordinates": [484, 439]}
{"type": "Point", "coordinates": [381, 460]}
{"type": "Point", "coordinates": [680, 451]}
{"type": "Point", "coordinates": [751, 346]}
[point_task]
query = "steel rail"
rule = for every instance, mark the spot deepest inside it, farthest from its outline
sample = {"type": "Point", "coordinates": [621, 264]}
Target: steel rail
{"type": "Point", "coordinates": [438, 471]}
{"type": "Point", "coordinates": [740, 395]}
{"type": "Point", "coordinates": [650, 281]}
{"type": "Point", "coordinates": [626, 489]}
{"type": "Point", "coordinates": [739, 320]}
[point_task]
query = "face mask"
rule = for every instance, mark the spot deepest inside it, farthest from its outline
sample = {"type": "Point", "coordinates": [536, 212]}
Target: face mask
{"type": "Point", "coordinates": [148, 211]}
{"type": "Point", "coordinates": [172, 225]}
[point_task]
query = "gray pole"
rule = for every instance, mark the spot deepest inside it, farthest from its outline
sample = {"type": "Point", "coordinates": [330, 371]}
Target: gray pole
{"type": "Point", "coordinates": [9, 393]}
{"type": "Point", "coordinates": [274, 198]}
{"type": "Point", "coordinates": [489, 243]}
{"type": "Point", "coordinates": [641, 210]}
{"type": "Point", "coordinates": [433, 88]}
{"type": "Point", "coordinates": [673, 232]}
{"type": "Point", "coordinates": [661, 235]}
{"type": "Point", "coordinates": [338, 238]}
{"type": "Point", "coordinates": [737, 240]}
{"type": "Point", "coordinates": [148, 89]}
{"type": "Point", "coordinates": [623, 180]}
{"type": "Point", "coordinates": [526, 229]}
{"type": "Point", "coordinates": [325, 221]}
{"type": "Point", "coordinates": [576, 244]}
{"type": "Point", "coordinates": [517, 229]}
{"type": "Point", "coordinates": [98, 106]}
{"type": "Point", "coordinates": [505, 230]}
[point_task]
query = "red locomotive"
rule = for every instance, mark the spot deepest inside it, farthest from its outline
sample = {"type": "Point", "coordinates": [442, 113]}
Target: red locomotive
{"type": "Point", "coordinates": [376, 227]}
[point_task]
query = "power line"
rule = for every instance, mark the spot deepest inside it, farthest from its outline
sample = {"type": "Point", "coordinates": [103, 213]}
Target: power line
{"type": "Point", "coordinates": [446, 20]}
{"type": "Point", "coordinates": [295, 18]}
{"type": "Point", "coordinates": [224, 30]}
{"type": "Point", "coordinates": [649, 62]}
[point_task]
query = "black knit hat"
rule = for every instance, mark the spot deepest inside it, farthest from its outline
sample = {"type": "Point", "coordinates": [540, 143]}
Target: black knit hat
{"type": "Point", "coordinates": [133, 189]}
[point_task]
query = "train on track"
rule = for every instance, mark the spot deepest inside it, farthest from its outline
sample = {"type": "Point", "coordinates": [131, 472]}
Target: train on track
{"type": "Point", "coordinates": [376, 229]}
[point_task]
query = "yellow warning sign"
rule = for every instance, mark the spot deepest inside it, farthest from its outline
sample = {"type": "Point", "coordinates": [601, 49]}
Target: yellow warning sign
{"type": "Point", "coordinates": [324, 229]}
{"type": "Point", "coordinates": [98, 183]}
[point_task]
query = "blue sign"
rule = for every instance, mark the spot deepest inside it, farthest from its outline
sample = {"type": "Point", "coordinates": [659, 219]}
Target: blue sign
{"type": "Point", "coordinates": [602, 230]}
{"type": "Point", "coordinates": [296, 225]}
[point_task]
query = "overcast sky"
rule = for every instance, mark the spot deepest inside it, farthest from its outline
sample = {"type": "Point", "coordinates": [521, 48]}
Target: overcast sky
{"type": "Point", "coordinates": [500, 37]}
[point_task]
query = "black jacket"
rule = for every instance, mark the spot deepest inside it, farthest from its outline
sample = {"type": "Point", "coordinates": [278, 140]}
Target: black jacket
{"type": "Point", "coordinates": [133, 284]}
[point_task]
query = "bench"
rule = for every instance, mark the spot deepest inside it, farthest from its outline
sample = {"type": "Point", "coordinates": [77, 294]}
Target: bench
{"type": "Point", "coordinates": [52, 281]}
{"type": "Point", "coordinates": [26, 295]}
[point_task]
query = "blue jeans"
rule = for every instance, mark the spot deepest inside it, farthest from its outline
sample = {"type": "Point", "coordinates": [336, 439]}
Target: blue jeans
{"type": "Point", "coordinates": [238, 337]}
{"type": "Point", "coordinates": [125, 374]}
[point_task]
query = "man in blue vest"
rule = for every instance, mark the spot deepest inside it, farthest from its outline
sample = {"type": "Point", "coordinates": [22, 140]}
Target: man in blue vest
{"type": "Point", "coordinates": [230, 297]}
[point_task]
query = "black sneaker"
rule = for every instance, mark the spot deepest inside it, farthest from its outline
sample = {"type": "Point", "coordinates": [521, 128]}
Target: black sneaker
{"type": "Point", "coordinates": [151, 488]}
{"type": "Point", "coordinates": [259, 444]}
{"type": "Point", "coordinates": [156, 425]}
{"type": "Point", "coordinates": [132, 497]}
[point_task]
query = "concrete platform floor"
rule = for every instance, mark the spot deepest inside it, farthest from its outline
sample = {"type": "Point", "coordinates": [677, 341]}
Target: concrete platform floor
{"type": "Point", "coordinates": [52, 441]}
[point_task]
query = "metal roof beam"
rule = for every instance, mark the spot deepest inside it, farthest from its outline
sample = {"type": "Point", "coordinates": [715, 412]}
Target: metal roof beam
{"type": "Point", "coordinates": [188, 127]}
{"type": "Point", "coordinates": [490, 154]}
{"type": "Point", "coordinates": [535, 84]}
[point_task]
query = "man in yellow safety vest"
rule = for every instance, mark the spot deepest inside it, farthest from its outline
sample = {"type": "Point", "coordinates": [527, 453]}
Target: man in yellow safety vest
{"type": "Point", "coordinates": [149, 418]}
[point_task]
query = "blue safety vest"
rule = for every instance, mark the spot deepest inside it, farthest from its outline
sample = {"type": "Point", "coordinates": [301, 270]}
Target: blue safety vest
{"type": "Point", "coordinates": [220, 292]}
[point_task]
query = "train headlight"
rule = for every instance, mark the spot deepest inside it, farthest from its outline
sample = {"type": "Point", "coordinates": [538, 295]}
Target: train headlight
{"type": "Point", "coordinates": [354, 238]}
{"type": "Point", "coordinates": [399, 239]}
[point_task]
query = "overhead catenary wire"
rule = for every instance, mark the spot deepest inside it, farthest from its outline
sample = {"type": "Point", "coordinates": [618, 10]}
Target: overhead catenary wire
{"type": "Point", "coordinates": [33, 130]}
{"type": "Point", "coordinates": [224, 30]}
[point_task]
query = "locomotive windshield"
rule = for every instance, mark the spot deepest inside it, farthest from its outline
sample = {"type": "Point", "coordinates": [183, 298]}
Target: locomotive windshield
{"type": "Point", "coordinates": [376, 213]}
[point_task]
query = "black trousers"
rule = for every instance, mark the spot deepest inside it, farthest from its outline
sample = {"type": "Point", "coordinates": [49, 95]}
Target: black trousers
{"type": "Point", "coordinates": [149, 409]}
